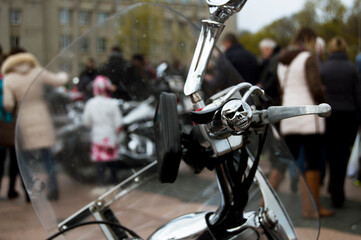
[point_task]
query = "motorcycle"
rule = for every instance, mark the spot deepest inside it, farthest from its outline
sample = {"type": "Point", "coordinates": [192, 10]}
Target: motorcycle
{"type": "Point", "coordinates": [171, 80]}
{"type": "Point", "coordinates": [137, 141]}
{"type": "Point", "coordinates": [209, 180]}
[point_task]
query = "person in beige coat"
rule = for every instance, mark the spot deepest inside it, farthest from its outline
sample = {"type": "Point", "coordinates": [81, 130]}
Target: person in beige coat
{"type": "Point", "coordinates": [24, 79]}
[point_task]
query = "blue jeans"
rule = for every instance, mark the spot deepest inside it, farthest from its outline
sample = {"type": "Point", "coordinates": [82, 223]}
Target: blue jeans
{"type": "Point", "coordinates": [30, 161]}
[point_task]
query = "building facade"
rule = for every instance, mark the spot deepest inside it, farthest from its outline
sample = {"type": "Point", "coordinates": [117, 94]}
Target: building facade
{"type": "Point", "coordinates": [46, 27]}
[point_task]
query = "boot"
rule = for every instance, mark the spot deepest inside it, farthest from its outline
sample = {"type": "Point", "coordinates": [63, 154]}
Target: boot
{"type": "Point", "coordinates": [313, 180]}
{"type": "Point", "coordinates": [308, 209]}
{"type": "Point", "coordinates": [275, 178]}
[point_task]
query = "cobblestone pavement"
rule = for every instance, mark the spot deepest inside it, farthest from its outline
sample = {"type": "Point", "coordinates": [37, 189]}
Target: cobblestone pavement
{"type": "Point", "coordinates": [19, 221]}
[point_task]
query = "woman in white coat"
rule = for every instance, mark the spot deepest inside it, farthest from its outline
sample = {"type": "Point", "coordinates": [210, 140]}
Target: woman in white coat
{"type": "Point", "coordinates": [300, 81]}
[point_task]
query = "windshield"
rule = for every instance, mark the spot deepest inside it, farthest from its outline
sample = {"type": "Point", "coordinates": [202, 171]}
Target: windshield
{"type": "Point", "coordinates": [73, 163]}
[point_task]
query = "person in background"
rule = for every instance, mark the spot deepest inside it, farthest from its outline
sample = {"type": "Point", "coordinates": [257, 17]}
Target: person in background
{"type": "Point", "coordinates": [343, 92]}
{"type": "Point", "coordinates": [38, 136]}
{"type": "Point", "coordinates": [150, 69]}
{"type": "Point", "coordinates": [243, 60]}
{"type": "Point", "coordinates": [178, 69]}
{"type": "Point", "coordinates": [357, 181]}
{"type": "Point", "coordinates": [86, 79]}
{"type": "Point", "coordinates": [2, 55]}
{"type": "Point", "coordinates": [358, 61]}
{"type": "Point", "coordinates": [320, 51]}
{"type": "Point", "coordinates": [320, 48]}
{"type": "Point", "coordinates": [103, 116]}
{"type": "Point", "coordinates": [13, 165]}
{"type": "Point", "coordinates": [115, 68]}
{"type": "Point", "coordinates": [234, 66]}
{"type": "Point", "coordinates": [300, 81]}
{"type": "Point", "coordinates": [139, 78]}
{"type": "Point", "coordinates": [268, 80]}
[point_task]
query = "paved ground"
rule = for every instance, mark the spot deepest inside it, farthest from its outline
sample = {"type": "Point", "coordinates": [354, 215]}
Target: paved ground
{"type": "Point", "coordinates": [19, 221]}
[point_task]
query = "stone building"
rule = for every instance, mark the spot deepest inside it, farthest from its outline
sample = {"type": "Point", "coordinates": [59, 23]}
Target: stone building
{"type": "Point", "coordinates": [45, 27]}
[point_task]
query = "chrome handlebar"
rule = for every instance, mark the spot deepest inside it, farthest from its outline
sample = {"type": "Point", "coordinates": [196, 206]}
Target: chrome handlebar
{"type": "Point", "coordinates": [229, 117]}
{"type": "Point", "coordinates": [207, 39]}
{"type": "Point", "coordinates": [237, 115]}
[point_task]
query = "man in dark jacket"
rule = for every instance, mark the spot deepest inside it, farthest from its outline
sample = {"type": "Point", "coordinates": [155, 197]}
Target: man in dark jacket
{"type": "Point", "coordinates": [86, 78]}
{"type": "Point", "coordinates": [235, 66]}
{"type": "Point", "coordinates": [242, 60]}
{"type": "Point", "coordinates": [115, 69]}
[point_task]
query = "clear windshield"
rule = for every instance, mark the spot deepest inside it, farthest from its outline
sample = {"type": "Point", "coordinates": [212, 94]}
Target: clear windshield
{"type": "Point", "coordinates": [68, 172]}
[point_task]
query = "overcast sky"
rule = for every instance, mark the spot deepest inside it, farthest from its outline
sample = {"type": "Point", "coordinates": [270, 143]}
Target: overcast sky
{"type": "Point", "coordinates": [258, 13]}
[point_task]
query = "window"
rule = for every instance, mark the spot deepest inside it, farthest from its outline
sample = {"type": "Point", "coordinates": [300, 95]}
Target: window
{"type": "Point", "coordinates": [84, 45]}
{"type": "Point", "coordinates": [65, 66]}
{"type": "Point", "coordinates": [14, 41]}
{"type": "Point", "coordinates": [101, 45]}
{"type": "Point", "coordinates": [102, 16]}
{"type": "Point", "coordinates": [64, 16]}
{"type": "Point", "coordinates": [82, 66]}
{"type": "Point", "coordinates": [168, 46]}
{"type": "Point", "coordinates": [181, 25]}
{"type": "Point", "coordinates": [168, 24]}
{"type": "Point", "coordinates": [84, 17]}
{"type": "Point", "coordinates": [15, 17]}
{"type": "Point", "coordinates": [65, 40]}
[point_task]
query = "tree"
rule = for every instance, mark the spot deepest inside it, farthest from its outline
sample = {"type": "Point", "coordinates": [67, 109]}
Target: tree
{"type": "Point", "coordinates": [331, 10]}
{"type": "Point", "coordinates": [353, 28]}
{"type": "Point", "coordinates": [307, 16]}
{"type": "Point", "coordinates": [281, 30]}
{"type": "Point", "coordinates": [329, 18]}
{"type": "Point", "coordinates": [138, 30]}
{"type": "Point", "coordinates": [156, 32]}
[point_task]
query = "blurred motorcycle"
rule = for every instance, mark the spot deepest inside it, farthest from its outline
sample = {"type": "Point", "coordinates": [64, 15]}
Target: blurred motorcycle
{"type": "Point", "coordinates": [137, 143]}
{"type": "Point", "coordinates": [137, 147]}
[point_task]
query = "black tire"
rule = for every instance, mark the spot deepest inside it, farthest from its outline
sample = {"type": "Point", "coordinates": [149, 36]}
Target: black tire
{"type": "Point", "coordinates": [168, 138]}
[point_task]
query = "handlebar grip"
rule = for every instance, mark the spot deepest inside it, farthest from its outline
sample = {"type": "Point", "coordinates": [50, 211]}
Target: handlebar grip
{"type": "Point", "coordinates": [277, 113]}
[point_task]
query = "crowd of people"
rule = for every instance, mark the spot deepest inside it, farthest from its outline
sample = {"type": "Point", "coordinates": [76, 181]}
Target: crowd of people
{"type": "Point", "coordinates": [299, 74]}
{"type": "Point", "coordinates": [100, 88]}
{"type": "Point", "coordinates": [125, 75]}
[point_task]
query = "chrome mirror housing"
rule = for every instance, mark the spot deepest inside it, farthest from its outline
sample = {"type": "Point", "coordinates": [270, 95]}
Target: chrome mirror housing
{"type": "Point", "coordinates": [220, 11]}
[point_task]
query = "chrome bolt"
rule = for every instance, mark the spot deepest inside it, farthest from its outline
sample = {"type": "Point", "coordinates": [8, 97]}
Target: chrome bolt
{"type": "Point", "coordinates": [269, 218]}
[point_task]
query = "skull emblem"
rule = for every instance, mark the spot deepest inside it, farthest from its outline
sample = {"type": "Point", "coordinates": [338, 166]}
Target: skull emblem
{"type": "Point", "coordinates": [236, 115]}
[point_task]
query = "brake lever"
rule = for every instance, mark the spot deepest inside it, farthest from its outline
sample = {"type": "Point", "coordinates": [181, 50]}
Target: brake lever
{"type": "Point", "coordinates": [277, 113]}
